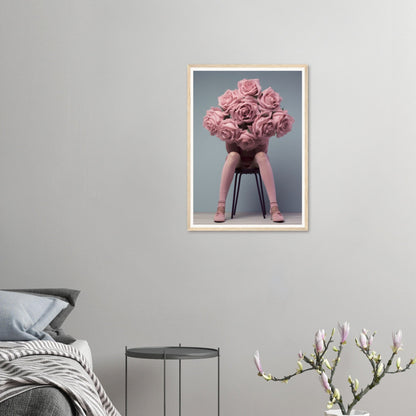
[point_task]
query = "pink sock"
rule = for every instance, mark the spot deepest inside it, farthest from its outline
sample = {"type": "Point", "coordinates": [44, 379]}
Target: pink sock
{"type": "Point", "coordinates": [233, 159]}
{"type": "Point", "coordinates": [266, 173]}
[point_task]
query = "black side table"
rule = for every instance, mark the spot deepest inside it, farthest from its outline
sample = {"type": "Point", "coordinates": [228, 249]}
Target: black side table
{"type": "Point", "coordinates": [172, 353]}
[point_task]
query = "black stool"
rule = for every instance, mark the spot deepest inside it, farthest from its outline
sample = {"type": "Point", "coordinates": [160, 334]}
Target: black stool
{"type": "Point", "coordinates": [237, 180]}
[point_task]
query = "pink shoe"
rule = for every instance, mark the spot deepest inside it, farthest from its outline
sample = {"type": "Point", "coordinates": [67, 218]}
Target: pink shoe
{"type": "Point", "coordinates": [220, 215]}
{"type": "Point", "coordinates": [275, 214]}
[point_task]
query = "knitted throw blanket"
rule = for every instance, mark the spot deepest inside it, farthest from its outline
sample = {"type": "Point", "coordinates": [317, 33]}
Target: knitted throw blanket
{"type": "Point", "coordinates": [30, 364]}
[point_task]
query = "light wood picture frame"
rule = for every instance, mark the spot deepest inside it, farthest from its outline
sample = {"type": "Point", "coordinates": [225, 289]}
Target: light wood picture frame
{"type": "Point", "coordinates": [288, 154]}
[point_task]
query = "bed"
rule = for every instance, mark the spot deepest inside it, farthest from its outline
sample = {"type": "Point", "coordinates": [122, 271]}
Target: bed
{"type": "Point", "coordinates": [43, 370]}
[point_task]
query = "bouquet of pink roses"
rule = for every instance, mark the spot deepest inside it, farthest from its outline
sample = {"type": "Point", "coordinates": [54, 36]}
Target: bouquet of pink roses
{"type": "Point", "coordinates": [248, 116]}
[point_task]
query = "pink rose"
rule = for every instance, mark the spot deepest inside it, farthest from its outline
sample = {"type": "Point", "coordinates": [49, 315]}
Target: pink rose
{"type": "Point", "coordinates": [269, 100]}
{"type": "Point", "coordinates": [244, 110]}
{"type": "Point", "coordinates": [213, 119]}
{"type": "Point", "coordinates": [249, 87]}
{"type": "Point", "coordinates": [228, 99]}
{"type": "Point", "coordinates": [247, 141]}
{"type": "Point", "coordinates": [263, 126]}
{"type": "Point", "coordinates": [228, 130]}
{"type": "Point", "coordinates": [283, 122]}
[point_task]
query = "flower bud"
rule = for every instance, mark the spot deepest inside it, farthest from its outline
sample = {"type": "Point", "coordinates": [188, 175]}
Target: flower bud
{"type": "Point", "coordinates": [325, 382]}
{"type": "Point", "coordinates": [398, 361]}
{"type": "Point", "coordinates": [397, 341]}
{"type": "Point", "coordinates": [363, 340]}
{"type": "Point", "coordinates": [257, 362]}
{"type": "Point", "coordinates": [370, 340]}
{"type": "Point", "coordinates": [350, 380]}
{"type": "Point", "coordinates": [319, 340]}
{"type": "Point", "coordinates": [356, 384]}
{"type": "Point", "coordinates": [380, 369]}
{"type": "Point", "coordinates": [300, 367]}
{"type": "Point", "coordinates": [337, 394]}
{"type": "Point", "coordinates": [326, 362]}
{"type": "Point", "coordinates": [344, 330]}
{"type": "Point", "coordinates": [413, 361]}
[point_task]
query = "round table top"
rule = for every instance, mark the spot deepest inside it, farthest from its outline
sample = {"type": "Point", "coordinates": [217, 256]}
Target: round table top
{"type": "Point", "coordinates": [172, 353]}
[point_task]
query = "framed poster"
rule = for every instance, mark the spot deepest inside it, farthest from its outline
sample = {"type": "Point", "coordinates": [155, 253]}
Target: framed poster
{"type": "Point", "coordinates": [247, 147]}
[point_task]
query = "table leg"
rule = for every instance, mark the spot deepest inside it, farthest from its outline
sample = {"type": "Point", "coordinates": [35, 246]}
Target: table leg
{"type": "Point", "coordinates": [125, 382]}
{"type": "Point", "coordinates": [180, 385]}
{"type": "Point", "coordinates": [218, 381]}
{"type": "Point", "coordinates": [164, 383]}
{"type": "Point", "coordinates": [180, 388]}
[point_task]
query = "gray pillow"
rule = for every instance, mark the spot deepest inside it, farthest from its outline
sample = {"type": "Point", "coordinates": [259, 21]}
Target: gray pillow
{"type": "Point", "coordinates": [68, 295]}
{"type": "Point", "coordinates": [59, 335]}
{"type": "Point", "coordinates": [23, 317]}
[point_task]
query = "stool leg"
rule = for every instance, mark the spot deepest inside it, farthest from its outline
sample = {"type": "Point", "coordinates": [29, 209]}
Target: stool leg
{"type": "Point", "coordinates": [260, 192]}
{"type": "Point", "coordinates": [238, 191]}
{"type": "Point", "coordinates": [235, 186]}
{"type": "Point", "coordinates": [262, 197]}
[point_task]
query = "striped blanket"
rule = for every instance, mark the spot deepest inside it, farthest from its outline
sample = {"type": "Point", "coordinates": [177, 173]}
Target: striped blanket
{"type": "Point", "coordinates": [30, 364]}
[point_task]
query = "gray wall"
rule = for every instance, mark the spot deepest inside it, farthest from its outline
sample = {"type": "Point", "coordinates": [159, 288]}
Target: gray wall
{"type": "Point", "coordinates": [93, 191]}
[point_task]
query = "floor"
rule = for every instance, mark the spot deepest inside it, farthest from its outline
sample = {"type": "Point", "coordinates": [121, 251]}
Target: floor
{"type": "Point", "coordinates": [247, 221]}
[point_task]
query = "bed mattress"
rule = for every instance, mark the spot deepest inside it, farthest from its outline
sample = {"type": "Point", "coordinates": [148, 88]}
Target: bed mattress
{"type": "Point", "coordinates": [83, 347]}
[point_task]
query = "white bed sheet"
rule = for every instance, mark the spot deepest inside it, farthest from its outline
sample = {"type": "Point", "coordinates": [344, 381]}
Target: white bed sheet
{"type": "Point", "coordinates": [82, 346]}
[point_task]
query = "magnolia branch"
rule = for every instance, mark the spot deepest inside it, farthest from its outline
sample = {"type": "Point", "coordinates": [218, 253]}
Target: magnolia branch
{"type": "Point", "coordinates": [317, 361]}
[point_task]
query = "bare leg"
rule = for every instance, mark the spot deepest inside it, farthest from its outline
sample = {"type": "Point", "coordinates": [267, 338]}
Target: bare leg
{"type": "Point", "coordinates": [266, 173]}
{"type": "Point", "coordinates": [231, 162]}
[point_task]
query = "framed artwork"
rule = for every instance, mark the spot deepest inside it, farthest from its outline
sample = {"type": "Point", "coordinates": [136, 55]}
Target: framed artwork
{"type": "Point", "coordinates": [247, 148]}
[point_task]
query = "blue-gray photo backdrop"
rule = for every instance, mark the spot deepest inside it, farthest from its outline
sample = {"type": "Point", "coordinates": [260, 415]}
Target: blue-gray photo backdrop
{"type": "Point", "coordinates": [209, 152]}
